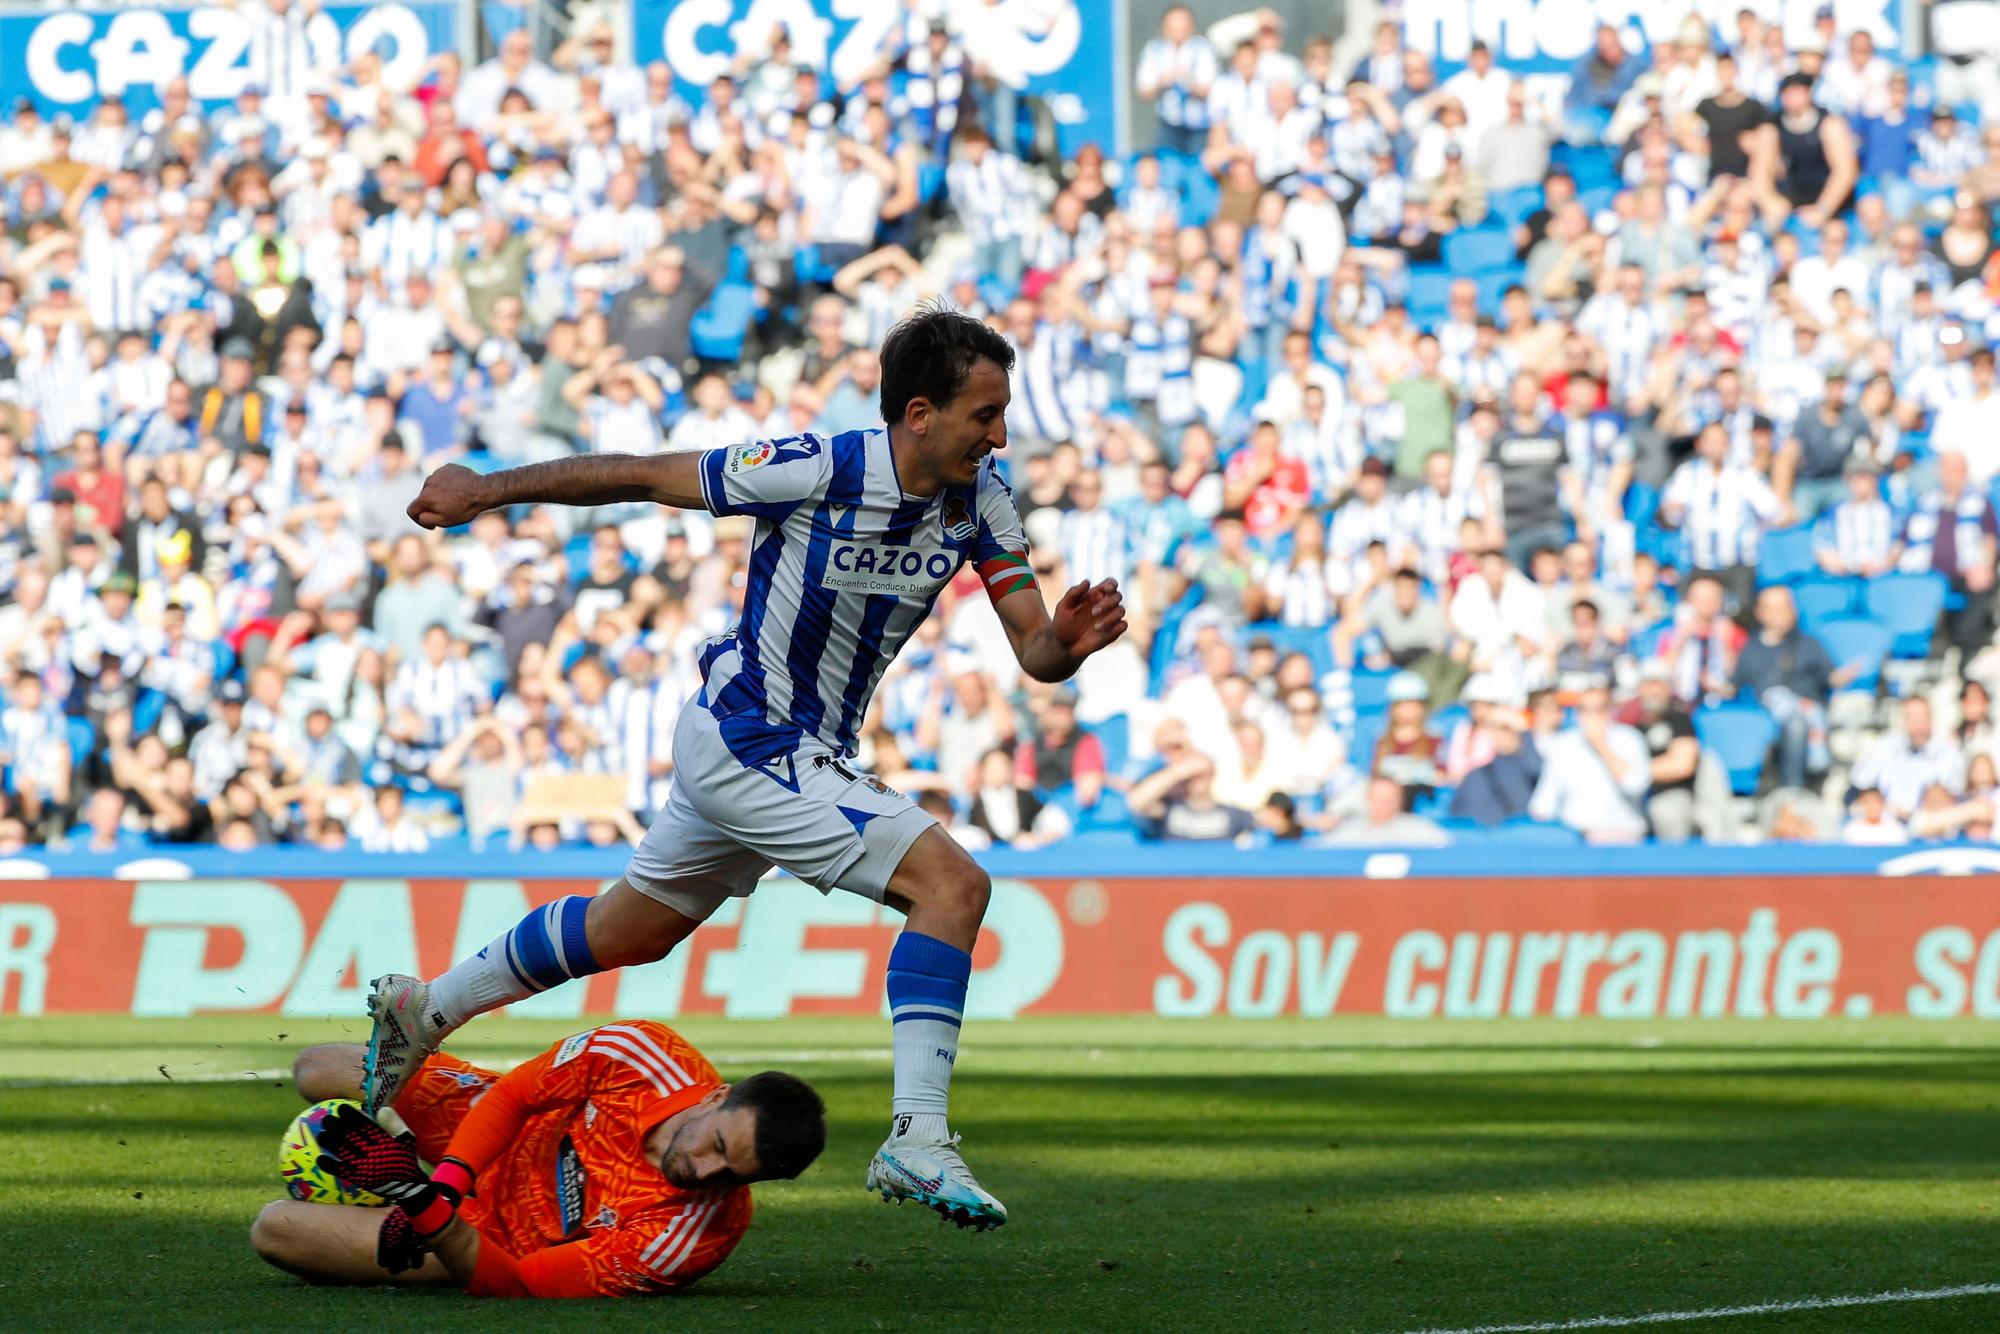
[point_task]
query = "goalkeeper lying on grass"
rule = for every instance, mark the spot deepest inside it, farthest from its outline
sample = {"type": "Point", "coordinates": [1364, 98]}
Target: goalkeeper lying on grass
{"type": "Point", "coordinates": [616, 1162]}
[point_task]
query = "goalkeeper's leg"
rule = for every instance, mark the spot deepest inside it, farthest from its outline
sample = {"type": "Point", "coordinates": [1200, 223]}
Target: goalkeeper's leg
{"type": "Point", "coordinates": [331, 1243]}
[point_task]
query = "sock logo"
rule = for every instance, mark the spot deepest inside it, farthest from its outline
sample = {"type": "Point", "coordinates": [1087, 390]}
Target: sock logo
{"type": "Point", "coordinates": [951, 1057]}
{"type": "Point", "coordinates": [902, 1126]}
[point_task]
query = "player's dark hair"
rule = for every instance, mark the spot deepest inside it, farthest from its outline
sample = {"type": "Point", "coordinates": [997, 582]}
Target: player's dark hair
{"type": "Point", "coordinates": [931, 352]}
{"type": "Point", "coordinates": [791, 1121]}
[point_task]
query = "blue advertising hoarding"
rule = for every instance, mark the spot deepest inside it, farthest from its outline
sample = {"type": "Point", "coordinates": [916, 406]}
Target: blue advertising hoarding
{"type": "Point", "coordinates": [1064, 51]}
{"type": "Point", "coordinates": [67, 59]}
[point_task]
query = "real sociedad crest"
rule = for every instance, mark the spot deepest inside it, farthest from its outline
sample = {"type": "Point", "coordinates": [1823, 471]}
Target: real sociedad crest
{"type": "Point", "coordinates": [958, 524]}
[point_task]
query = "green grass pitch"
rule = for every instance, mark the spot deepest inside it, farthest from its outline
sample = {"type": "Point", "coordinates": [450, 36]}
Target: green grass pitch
{"type": "Point", "coordinates": [1337, 1175]}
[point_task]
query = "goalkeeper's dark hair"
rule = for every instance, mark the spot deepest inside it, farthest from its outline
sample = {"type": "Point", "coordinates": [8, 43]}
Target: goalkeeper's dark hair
{"type": "Point", "coordinates": [930, 353]}
{"type": "Point", "coordinates": [791, 1121]}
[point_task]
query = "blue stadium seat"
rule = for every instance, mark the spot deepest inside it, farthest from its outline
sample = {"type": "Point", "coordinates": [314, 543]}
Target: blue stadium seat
{"type": "Point", "coordinates": [1115, 735]}
{"type": "Point", "coordinates": [1597, 198]}
{"type": "Point", "coordinates": [1523, 832]}
{"type": "Point", "coordinates": [1429, 288]}
{"type": "Point", "coordinates": [1478, 250]}
{"type": "Point", "coordinates": [1822, 598]}
{"type": "Point", "coordinates": [1592, 169]}
{"type": "Point", "coordinates": [82, 739]}
{"type": "Point", "coordinates": [1908, 606]}
{"type": "Point", "coordinates": [1493, 285]}
{"type": "Point", "coordinates": [1856, 639]}
{"type": "Point", "coordinates": [1512, 207]}
{"type": "Point", "coordinates": [1787, 556]}
{"type": "Point", "coordinates": [1371, 691]}
{"type": "Point", "coordinates": [1740, 735]}
{"type": "Point", "coordinates": [718, 328]}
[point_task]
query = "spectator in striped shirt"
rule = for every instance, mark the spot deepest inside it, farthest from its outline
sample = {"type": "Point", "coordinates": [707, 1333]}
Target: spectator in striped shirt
{"type": "Point", "coordinates": [1858, 536]}
{"type": "Point", "coordinates": [1723, 510]}
{"type": "Point", "coordinates": [1905, 765]}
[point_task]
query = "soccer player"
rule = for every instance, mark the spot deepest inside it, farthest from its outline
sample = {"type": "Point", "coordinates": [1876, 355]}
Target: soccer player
{"type": "Point", "coordinates": [615, 1163]}
{"type": "Point", "coordinates": [856, 535]}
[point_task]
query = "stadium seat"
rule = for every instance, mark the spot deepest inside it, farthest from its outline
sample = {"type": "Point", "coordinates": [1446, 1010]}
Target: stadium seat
{"type": "Point", "coordinates": [1115, 735]}
{"type": "Point", "coordinates": [1429, 289]}
{"type": "Point", "coordinates": [1787, 556]}
{"type": "Point", "coordinates": [1371, 691]}
{"type": "Point", "coordinates": [1512, 207]}
{"type": "Point", "coordinates": [82, 740]}
{"type": "Point", "coordinates": [1493, 285]}
{"type": "Point", "coordinates": [1856, 639]}
{"type": "Point", "coordinates": [1597, 198]}
{"type": "Point", "coordinates": [1523, 832]}
{"type": "Point", "coordinates": [1908, 606]}
{"type": "Point", "coordinates": [1740, 735]}
{"type": "Point", "coordinates": [1821, 598]}
{"type": "Point", "coordinates": [718, 328]}
{"type": "Point", "coordinates": [1478, 250]}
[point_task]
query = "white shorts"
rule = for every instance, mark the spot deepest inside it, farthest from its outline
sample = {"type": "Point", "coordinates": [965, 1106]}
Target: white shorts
{"type": "Point", "coordinates": [726, 823]}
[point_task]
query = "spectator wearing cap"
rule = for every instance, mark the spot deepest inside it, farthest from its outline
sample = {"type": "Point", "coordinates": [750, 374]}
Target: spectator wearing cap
{"type": "Point", "coordinates": [324, 665]}
{"type": "Point", "coordinates": [1952, 531]}
{"type": "Point", "coordinates": [175, 580]}
{"type": "Point", "coordinates": [1480, 89]}
{"type": "Point", "coordinates": [1858, 536]}
{"type": "Point", "coordinates": [233, 411]}
{"type": "Point", "coordinates": [1869, 821]}
{"type": "Point", "coordinates": [1814, 167]}
{"type": "Point", "coordinates": [1595, 775]}
{"type": "Point", "coordinates": [1500, 789]}
{"type": "Point", "coordinates": [219, 749]}
{"type": "Point", "coordinates": [1406, 751]}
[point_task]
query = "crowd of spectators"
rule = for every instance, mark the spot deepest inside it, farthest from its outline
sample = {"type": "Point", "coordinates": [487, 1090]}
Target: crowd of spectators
{"type": "Point", "coordinates": [1445, 435]}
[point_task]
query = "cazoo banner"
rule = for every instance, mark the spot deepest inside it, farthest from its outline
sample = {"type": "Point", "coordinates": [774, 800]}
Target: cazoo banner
{"type": "Point", "coordinates": [1763, 947]}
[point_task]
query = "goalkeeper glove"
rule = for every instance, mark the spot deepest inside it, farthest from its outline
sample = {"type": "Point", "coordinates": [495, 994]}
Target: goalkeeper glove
{"type": "Point", "coordinates": [361, 1155]}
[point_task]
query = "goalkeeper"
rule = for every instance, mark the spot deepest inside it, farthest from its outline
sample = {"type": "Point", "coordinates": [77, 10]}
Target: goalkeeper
{"type": "Point", "coordinates": [616, 1162]}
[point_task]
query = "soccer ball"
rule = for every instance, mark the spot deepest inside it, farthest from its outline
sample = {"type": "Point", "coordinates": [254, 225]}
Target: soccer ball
{"type": "Point", "coordinates": [298, 1161]}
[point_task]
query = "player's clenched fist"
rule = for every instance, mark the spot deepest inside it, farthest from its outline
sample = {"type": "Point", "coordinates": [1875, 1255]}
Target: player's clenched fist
{"type": "Point", "coordinates": [1088, 618]}
{"type": "Point", "coordinates": [452, 495]}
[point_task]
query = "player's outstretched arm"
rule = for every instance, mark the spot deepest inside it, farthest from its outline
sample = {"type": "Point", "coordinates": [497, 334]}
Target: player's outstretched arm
{"type": "Point", "coordinates": [455, 494]}
{"type": "Point", "coordinates": [1051, 647]}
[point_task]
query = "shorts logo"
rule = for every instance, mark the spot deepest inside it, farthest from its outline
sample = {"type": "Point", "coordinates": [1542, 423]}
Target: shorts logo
{"type": "Point", "coordinates": [745, 457]}
{"type": "Point", "coordinates": [571, 1048]}
{"type": "Point", "coordinates": [958, 524]}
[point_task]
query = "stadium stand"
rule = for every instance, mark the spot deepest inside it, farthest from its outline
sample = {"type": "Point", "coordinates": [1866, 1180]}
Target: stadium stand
{"type": "Point", "coordinates": [1425, 393]}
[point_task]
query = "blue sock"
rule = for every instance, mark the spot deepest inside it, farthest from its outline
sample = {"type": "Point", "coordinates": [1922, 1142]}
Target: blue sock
{"type": "Point", "coordinates": [544, 949]}
{"type": "Point", "coordinates": [927, 981]}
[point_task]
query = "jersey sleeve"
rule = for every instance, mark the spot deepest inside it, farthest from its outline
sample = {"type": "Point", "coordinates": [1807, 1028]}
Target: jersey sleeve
{"type": "Point", "coordinates": [660, 1252]}
{"type": "Point", "coordinates": [766, 478]}
{"type": "Point", "coordinates": [1000, 552]}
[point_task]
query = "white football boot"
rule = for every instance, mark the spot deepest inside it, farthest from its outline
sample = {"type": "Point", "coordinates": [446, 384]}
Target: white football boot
{"type": "Point", "coordinates": [407, 1030]}
{"type": "Point", "coordinates": [932, 1174]}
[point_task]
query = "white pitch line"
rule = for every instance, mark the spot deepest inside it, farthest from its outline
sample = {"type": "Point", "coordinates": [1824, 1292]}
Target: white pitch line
{"type": "Point", "coordinates": [1722, 1312]}
{"type": "Point", "coordinates": [747, 1057]}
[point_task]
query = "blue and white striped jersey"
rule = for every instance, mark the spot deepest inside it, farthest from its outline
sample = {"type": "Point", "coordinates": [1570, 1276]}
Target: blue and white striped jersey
{"type": "Point", "coordinates": [843, 568]}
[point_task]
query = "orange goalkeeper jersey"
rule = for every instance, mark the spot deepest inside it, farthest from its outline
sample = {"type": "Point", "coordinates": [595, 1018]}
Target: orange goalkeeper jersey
{"type": "Point", "coordinates": [567, 1204]}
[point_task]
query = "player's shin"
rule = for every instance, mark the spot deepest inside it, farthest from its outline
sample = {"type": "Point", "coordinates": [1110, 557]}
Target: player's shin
{"type": "Point", "coordinates": [544, 949]}
{"type": "Point", "coordinates": [927, 983]}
